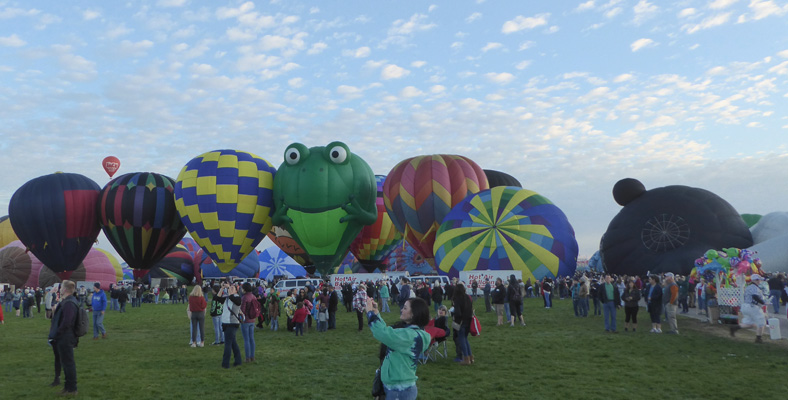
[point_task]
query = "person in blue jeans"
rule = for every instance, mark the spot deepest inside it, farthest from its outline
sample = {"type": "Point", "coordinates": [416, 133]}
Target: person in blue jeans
{"type": "Point", "coordinates": [99, 305]}
{"type": "Point", "coordinates": [230, 323]}
{"type": "Point", "coordinates": [462, 317]}
{"type": "Point", "coordinates": [250, 307]}
{"type": "Point", "coordinates": [776, 287]}
{"type": "Point", "coordinates": [611, 300]}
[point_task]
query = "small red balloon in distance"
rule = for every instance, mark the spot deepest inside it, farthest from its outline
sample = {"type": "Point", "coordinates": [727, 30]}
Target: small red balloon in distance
{"type": "Point", "coordinates": [111, 165]}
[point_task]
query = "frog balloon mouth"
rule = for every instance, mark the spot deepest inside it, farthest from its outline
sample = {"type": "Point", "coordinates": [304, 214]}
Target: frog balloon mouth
{"type": "Point", "coordinates": [315, 210]}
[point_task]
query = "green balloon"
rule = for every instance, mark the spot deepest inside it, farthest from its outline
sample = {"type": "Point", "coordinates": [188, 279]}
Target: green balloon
{"type": "Point", "coordinates": [324, 196]}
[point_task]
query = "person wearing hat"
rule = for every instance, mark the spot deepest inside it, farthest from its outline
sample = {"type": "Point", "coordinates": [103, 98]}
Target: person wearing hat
{"type": "Point", "coordinates": [752, 309]}
{"type": "Point", "coordinates": [670, 298]}
{"type": "Point", "coordinates": [99, 305]}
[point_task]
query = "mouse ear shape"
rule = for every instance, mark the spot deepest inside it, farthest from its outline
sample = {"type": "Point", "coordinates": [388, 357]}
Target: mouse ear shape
{"type": "Point", "coordinates": [626, 190]}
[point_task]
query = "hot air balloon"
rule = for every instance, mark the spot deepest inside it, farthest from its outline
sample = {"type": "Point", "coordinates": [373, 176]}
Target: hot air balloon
{"type": "Point", "coordinates": [111, 165]}
{"type": "Point", "coordinates": [406, 258]}
{"type": "Point", "coordinates": [177, 264]}
{"type": "Point", "coordinates": [420, 191]}
{"type": "Point", "coordinates": [138, 215]}
{"type": "Point", "coordinates": [664, 229]}
{"type": "Point", "coordinates": [199, 258]}
{"type": "Point", "coordinates": [98, 266]}
{"type": "Point", "coordinates": [498, 178]}
{"type": "Point", "coordinates": [375, 242]}
{"type": "Point", "coordinates": [324, 196]}
{"type": "Point", "coordinates": [19, 267]}
{"type": "Point", "coordinates": [55, 217]}
{"type": "Point", "coordinates": [284, 240]}
{"type": "Point", "coordinates": [249, 267]}
{"type": "Point", "coordinates": [225, 199]}
{"type": "Point", "coordinates": [507, 228]}
{"type": "Point", "coordinates": [275, 262]}
{"type": "Point", "coordinates": [7, 234]}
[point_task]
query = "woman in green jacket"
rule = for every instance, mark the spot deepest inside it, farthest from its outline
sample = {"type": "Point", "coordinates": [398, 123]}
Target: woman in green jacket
{"type": "Point", "coordinates": [404, 346]}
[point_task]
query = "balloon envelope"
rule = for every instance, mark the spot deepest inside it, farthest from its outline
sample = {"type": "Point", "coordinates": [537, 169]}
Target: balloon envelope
{"type": "Point", "coordinates": [111, 165]}
{"type": "Point", "coordinates": [375, 242]}
{"type": "Point", "coordinates": [498, 178]}
{"type": "Point", "coordinates": [177, 264]}
{"type": "Point", "coordinates": [406, 258]}
{"type": "Point", "coordinates": [98, 266]}
{"type": "Point", "coordinates": [7, 234]}
{"type": "Point", "coordinates": [137, 213]}
{"type": "Point", "coordinates": [420, 191]}
{"type": "Point", "coordinates": [664, 230]}
{"type": "Point", "coordinates": [248, 268]}
{"type": "Point", "coordinates": [19, 267]}
{"type": "Point", "coordinates": [507, 228]}
{"type": "Point", "coordinates": [284, 240]}
{"type": "Point", "coordinates": [276, 263]}
{"type": "Point", "coordinates": [225, 199]}
{"type": "Point", "coordinates": [55, 217]}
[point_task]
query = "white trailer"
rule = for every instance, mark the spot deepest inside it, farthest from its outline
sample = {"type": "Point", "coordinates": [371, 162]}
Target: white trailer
{"type": "Point", "coordinates": [480, 276]}
{"type": "Point", "coordinates": [337, 280]}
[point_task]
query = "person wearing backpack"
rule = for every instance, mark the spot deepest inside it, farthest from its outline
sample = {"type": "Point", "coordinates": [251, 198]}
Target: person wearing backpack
{"type": "Point", "coordinates": [515, 301]}
{"type": "Point", "coordinates": [216, 317]}
{"type": "Point", "coordinates": [63, 339]}
{"type": "Point", "coordinates": [99, 305]}
{"type": "Point", "coordinates": [250, 308]}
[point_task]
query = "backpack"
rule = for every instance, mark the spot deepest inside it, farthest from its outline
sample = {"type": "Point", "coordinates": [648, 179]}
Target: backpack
{"type": "Point", "coordinates": [81, 322]}
{"type": "Point", "coordinates": [254, 312]}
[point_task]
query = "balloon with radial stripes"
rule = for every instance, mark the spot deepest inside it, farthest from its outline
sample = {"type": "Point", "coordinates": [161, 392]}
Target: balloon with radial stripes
{"type": "Point", "coordinates": [225, 199]}
{"type": "Point", "coordinates": [507, 228]}
{"type": "Point", "coordinates": [420, 191]}
{"type": "Point", "coordinates": [137, 213]}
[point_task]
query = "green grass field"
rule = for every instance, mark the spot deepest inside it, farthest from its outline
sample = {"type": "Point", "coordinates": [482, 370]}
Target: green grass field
{"type": "Point", "coordinates": [556, 356]}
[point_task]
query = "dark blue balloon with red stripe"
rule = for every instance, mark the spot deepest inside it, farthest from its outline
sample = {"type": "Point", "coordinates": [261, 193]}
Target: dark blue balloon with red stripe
{"type": "Point", "coordinates": [55, 217]}
{"type": "Point", "coordinates": [138, 215]}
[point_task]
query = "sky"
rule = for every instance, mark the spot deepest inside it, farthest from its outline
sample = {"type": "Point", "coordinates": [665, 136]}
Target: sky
{"type": "Point", "coordinates": [567, 96]}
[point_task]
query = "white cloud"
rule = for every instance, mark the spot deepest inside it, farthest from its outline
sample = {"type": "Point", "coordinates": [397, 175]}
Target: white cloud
{"type": "Point", "coordinates": [780, 69]}
{"type": "Point", "coordinates": [473, 17]}
{"type": "Point", "coordinates": [643, 10]}
{"type": "Point", "coordinates": [118, 31]}
{"type": "Point", "coordinates": [623, 78]}
{"type": "Point", "coordinates": [502, 78]}
{"type": "Point", "coordinates": [520, 23]}
{"type": "Point", "coordinates": [526, 45]}
{"type": "Point", "coordinates": [349, 91]}
{"type": "Point", "coordinates": [687, 12]}
{"type": "Point", "coordinates": [296, 83]}
{"type": "Point", "coordinates": [588, 5]}
{"type": "Point", "coordinates": [641, 43]}
{"type": "Point", "coordinates": [416, 23]}
{"type": "Point", "coordinates": [237, 34]}
{"type": "Point", "coordinates": [709, 22]}
{"type": "Point", "coordinates": [418, 64]}
{"type": "Point", "coordinates": [783, 54]}
{"type": "Point", "coordinates": [361, 52]}
{"type": "Point", "coordinates": [613, 12]}
{"type": "Point", "coordinates": [437, 89]}
{"type": "Point", "coordinates": [410, 92]}
{"type": "Point", "coordinates": [432, 8]}
{"type": "Point", "coordinates": [11, 12]}
{"type": "Point", "coordinates": [720, 4]}
{"type": "Point", "coordinates": [229, 12]}
{"type": "Point", "coordinates": [762, 9]}
{"type": "Point", "coordinates": [491, 46]}
{"type": "Point", "coordinates": [392, 71]}
{"type": "Point", "coordinates": [171, 3]}
{"type": "Point", "coordinates": [552, 29]}
{"type": "Point", "coordinates": [456, 45]}
{"type": "Point", "coordinates": [88, 15]}
{"type": "Point", "coordinates": [718, 70]}
{"type": "Point", "coordinates": [317, 48]}
{"type": "Point", "coordinates": [11, 41]}
{"type": "Point", "coordinates": [135, 49]}
{"type": "Point", "coordinates": [523, 64]}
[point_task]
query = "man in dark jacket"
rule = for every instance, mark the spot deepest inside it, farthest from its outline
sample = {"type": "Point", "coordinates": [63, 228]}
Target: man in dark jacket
{"type": "Point", "coordinates": [63, 339]}
{"type": "Point", "coordinates": [611, 300]}
{"type": "Point", "coordinates": [487, 291]}
{"type": "Point", "coordinates": [333, 301]}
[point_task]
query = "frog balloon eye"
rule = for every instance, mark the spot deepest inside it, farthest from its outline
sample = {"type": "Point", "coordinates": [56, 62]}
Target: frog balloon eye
{"type": "Point", "coordinates": [292, 156]}
{"type": "Point", "coordinates": [337, 154]}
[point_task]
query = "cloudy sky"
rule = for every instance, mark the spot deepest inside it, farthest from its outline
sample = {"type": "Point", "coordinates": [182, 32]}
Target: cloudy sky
{"type": "Point", "coordinates": [567, 96]}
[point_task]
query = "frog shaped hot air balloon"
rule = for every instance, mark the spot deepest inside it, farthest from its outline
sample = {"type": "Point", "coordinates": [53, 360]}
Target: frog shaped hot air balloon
{"type": "Point", "coordinates": [323, 197]}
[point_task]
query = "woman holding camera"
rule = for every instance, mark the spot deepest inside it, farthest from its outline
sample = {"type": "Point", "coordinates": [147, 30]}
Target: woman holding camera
{"type": "Point", "coordinates": [230, 323]}
{"type": "Point", "coordinates": [403, 346]}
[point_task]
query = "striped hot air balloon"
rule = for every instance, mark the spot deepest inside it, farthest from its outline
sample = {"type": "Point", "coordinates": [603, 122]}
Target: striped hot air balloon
{"type": "Point", "coordinates": [225, 199]}
{"type": "Point", "coordinates": [375, 242]}
{"type": "Point", "coordinates": [420, 191]}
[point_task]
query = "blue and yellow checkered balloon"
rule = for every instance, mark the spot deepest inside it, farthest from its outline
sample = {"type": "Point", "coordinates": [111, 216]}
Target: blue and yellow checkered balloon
{"type": "Point", "coordinates": [225, 199]}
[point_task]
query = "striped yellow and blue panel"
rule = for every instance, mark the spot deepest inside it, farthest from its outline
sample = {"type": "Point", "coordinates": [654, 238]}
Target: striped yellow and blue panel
{"type": "Point", "coordinates": [225, 199]}
{"type": "Point", "coordinates": [507, 228]}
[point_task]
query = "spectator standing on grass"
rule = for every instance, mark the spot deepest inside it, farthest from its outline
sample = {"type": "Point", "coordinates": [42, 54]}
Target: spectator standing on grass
{"type": "Point", "coordinates": [437, 295]}
{"type": "Point", "coordinates": [487, 295]}
{"type": "Point", "coordinates": [462, 316]}
{"type": "Point", "coordinates": [683, 294]}
{"type": "Point", "coordinates": [272, 304]}
{"type": "Point", "coordinates": [230, 323]}
{"type": "Point", "coordinates": [670, 297]}
{"type": "Point", "coordinates": [49, 299]}
{"type": "Point", "coordinates": [216, 317]}
{"type": "Point", "coordinates": [547, 291]}
{"type": "Point", "coordinates": [360, 304]}
{"type": "Point", "coordinates": [322, 318]}
{"type": "Point", "coordinates": [197, 306]}
{"type": "Point", "coordinates": [300, 316]}
{"type": "Point", "coordinates": [123, 298]}
{"type": "Point", "coordinates": [474, 288]}
{"type": "Point", "coordinates": [250, 308]}
{"type": "Point", "coordinates": [289, 305]}
{"type": "Point", "coordinates": [776, 287]}
{"type": "Point", "coordinates": [404, 346]}
{"type": "Point", "coordinates": [99, 306]}
{"type": "Point", "coordinates": [63, 339]}
{"type": "Point", "coordinates": [498, 298]}
{"type": "Point", "coordinates": [583, 294]}
{"type": "Point", "coordinates": [333, 304]}
{"type": "Point", "coordinates": [515, 301]}
{"type": "Point", "coordinates": [631, 299]}
{"type": "Point", "coordinates": [752, 309]}
{"type": "Point", "coordinates": [654, 303]}
{"type": "Point", "coordinates": [384, 297]}
{"type": "Point", "coordinates": [611, 300]}
{"type": "Point", "coordinates": [40, 295]}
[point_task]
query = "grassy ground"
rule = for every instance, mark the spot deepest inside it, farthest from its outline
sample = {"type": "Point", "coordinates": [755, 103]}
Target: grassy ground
{"type": "Point", "coordinates": [555, 356]}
